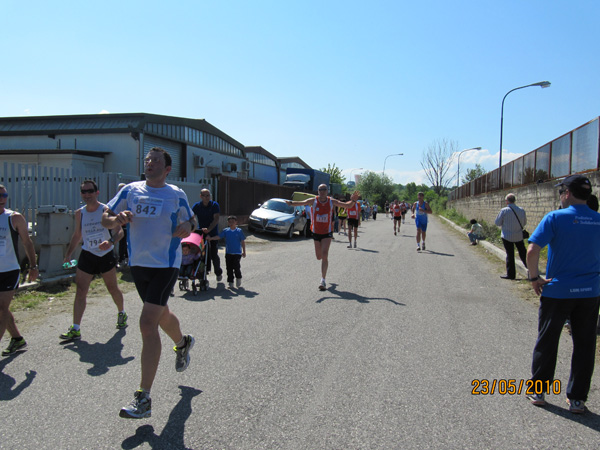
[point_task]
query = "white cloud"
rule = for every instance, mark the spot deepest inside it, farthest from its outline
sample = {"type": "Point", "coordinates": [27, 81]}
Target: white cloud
{"type": "Point", "coordinates": [104, 112]}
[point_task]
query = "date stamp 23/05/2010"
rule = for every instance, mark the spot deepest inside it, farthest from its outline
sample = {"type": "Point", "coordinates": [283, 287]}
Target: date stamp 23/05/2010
{"type": "Point", "coordinates": [513, 386]}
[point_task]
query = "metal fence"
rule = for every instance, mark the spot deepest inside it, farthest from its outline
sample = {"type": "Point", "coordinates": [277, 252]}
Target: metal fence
{"type": "Point", "coordinates": [30, 186]}
{"type": "Point", "coordinates": [577, 151]}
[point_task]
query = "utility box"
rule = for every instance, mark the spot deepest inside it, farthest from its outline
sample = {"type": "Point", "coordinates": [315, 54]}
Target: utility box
{"type": "Point", "coordinates": [55, 226]}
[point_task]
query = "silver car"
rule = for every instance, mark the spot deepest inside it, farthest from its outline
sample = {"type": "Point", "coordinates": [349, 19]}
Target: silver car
{"type": "Point", "coordinates": [276, 216]}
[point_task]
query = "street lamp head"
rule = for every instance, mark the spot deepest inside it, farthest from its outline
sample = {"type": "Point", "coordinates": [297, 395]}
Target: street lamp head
{"type": "Point", "coordinates": [543, 84]}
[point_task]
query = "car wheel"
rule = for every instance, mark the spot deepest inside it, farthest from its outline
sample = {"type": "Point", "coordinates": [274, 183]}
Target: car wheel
{"type": "Point", "coordinates": [290, 232]}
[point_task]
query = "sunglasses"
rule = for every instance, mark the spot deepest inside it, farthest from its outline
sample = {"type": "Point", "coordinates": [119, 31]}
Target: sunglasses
{"type": "Point", "coordinates": [4, 195]}
{"type": "Point", "coordinates": [88, 191]}
{"type": "Point", "coordinates": [322, 189]}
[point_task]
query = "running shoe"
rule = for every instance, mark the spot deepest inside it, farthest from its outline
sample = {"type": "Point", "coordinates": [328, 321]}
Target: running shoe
{"type": "Point", "coordinates": [322, 285]}
{"type": "Point", "coordinates": [238, 282]}
{"type": "Point", "coordinates": [71, 335]}
{"type": "Point", "coordinates": [122, 320]}
{"type": "Point", "coordinates": [140, 407]}
{"type": "Point", "coordinates": [537, 399]}
{"type": "Point", "coordinates": [231, 285]}
{"type": "Point", "coordinates": [576, 406]}
{"type": "Point", "coordinates": [423, 245]}
{"type": "Point", "coordinates": [14, 346]}
{"type": "Point", "coordinates": [182, 360]}
{"type": "Point", "coordinates": [219, 277]}
{"type": "Point", "coordinates": [418, 248]}
{"type": "Point", "coordinates": [350, 245]}
{"type": "Point", "coordinates": [394, 233]}
{"type": "Point", "coordinates": [354, 244]}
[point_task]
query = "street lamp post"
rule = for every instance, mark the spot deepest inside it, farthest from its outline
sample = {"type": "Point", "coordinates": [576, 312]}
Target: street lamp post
{"type": "Point", "coordinates": [384, 161]}
{"type": "Point", "coordinates": [458, 172]}
{"type": "Point", "coordinates": [542, 84]}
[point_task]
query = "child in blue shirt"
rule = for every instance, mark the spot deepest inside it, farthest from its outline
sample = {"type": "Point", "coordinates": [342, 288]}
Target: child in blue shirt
{"type": "Point", "coordinates": [235, 250]}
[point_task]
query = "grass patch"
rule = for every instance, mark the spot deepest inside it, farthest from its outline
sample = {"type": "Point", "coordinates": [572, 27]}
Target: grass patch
{"type": "Point", "coordinates": [42, 296]}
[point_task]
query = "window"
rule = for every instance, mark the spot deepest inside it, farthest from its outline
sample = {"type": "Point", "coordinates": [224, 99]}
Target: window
{"type": "Point", "coordinates": [561, 153]}
{"type": "Point", "coordinates": [585, 147]}
{"type": "Point", "coordinates": [542, 163]}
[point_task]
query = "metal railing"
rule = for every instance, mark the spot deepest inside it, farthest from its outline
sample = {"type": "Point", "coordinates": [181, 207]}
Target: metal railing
{"type": "Point", "coordinates": [577, 151]}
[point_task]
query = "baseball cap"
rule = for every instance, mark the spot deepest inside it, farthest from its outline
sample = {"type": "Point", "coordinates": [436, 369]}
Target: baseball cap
{"type": "Point", "coordinates": [578, 184]}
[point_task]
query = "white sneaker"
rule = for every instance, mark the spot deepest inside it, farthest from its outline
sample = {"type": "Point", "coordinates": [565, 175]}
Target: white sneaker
{"type": "Point", "coordinates": [350, 245]}
{"type": "Point", "coordinates": [322, 285]}
{"type": "Point", "coordinates": [238, 282]}
{"type": "Point", "coordinates": [418, 248]}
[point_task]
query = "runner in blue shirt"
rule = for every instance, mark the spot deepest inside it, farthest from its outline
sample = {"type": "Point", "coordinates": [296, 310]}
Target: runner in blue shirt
{"type": "Point", "coordinates": [157, 216]}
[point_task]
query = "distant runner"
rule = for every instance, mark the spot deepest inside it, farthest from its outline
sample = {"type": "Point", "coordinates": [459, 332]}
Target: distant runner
{"type": "Point", "coordinates": [420, 209]}
{"type": "Point", "coordinates": [396, 215]}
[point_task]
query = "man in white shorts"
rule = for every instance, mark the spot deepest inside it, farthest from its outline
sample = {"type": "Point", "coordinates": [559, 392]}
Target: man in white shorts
{"type": "Point", "coordinates": [96, 258]}
{"type": "Point", "coordinates": [158, 216]}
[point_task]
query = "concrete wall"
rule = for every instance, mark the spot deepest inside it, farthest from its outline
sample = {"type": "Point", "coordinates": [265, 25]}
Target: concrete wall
{"type": "Point", "coordinates": [536, 199]}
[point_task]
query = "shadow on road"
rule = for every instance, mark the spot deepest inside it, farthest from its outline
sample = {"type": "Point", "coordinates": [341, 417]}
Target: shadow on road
{"type": "Point", "coordinates": [220, 293]}
{"type": "Point", "coordinates": [8, 390]}
{"type": "Point", "coordinates": [430, 252]}
{"type": "Point", "coordinates": [589, 419]}
{"type": "Point", "coordinates": [172, 435]}
{"type": "Point", "coordinates": [345, 295]}
{"type": "Point", "coordinates": [101, 356]}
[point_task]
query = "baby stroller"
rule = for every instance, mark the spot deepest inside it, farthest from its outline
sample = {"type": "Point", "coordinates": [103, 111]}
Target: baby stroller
{"type": "Point", "coordinates": [198, 276]}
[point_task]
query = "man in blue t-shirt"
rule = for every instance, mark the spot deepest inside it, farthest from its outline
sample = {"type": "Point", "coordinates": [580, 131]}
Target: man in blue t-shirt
{"type": "Point", "coordinates": [571, 289]}
{"type": "Point", "coordinates": [208, 212]}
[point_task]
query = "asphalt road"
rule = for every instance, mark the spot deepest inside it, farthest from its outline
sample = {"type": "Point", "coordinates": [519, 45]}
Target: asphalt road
{"type": "Point", "coordinates": [385, 359]}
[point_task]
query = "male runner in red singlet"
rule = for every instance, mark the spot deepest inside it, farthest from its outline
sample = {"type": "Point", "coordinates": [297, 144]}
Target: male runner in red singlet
{"type": "Point", "coordinates": [321, 226]}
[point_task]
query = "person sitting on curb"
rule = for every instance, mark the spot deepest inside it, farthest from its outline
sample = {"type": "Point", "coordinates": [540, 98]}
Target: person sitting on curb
{"type": "Point", "coordinates": [476, 233]}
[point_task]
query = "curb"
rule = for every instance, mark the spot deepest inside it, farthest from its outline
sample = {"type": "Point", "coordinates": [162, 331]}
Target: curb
{"type": "Point", "coordinates": [501, 254]}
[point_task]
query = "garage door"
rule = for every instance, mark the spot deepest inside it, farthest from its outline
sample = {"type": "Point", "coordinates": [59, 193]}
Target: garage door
{"type": "Point", "coordinates": [175, 149]}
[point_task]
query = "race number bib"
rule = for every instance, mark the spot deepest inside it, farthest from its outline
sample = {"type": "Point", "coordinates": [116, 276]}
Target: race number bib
{"type": "Point", "coordinates": [322, 218]}
{"type": "Point", "coordinates": [94, 240]}
{"type": "Point", "coordinates": [147, 207]}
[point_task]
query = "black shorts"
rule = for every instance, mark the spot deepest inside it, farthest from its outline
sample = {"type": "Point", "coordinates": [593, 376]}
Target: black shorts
{"type": "Point", "coordinates": [154, 284]}
{"type": "Point", "coordinates": [353, 223]}
{"type": "Point", "coordinates": [403, 213]}
{"type": "Point", "coordinates": [320, 237]}
{"type": "Point", "coordinates": [397, 217]}
{"type": "Point", "coordinates": [96, 265]}
{"type": "Point", "coordinates": [9, 281]}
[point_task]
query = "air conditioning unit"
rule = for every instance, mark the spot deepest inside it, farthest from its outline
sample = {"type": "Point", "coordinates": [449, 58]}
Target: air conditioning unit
{"type": "Point", "coordinates": [198, 161]}
{"type": "Point", "coordinates": [245, 166]}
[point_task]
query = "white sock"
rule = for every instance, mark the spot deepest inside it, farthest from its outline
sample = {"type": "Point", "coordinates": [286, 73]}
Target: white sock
{"type": "Point", "coordinates": [76, 327]}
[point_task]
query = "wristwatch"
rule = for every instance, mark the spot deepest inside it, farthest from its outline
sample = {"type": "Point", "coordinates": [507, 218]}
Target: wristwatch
{"type": "Point", "coordinates": [534, 278]}
{"type": "Point", "coordinates": [36, 267]}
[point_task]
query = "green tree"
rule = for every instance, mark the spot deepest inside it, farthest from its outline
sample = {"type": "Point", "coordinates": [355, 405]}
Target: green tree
{"type": "Point", "coordinates": [473, 174]}
{"type": "Point", "coordinates": [376, 188]}
{"type": "Point", "coordinates": [335, 174]}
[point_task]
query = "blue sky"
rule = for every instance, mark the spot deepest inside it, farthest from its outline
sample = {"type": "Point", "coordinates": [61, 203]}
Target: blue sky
{"type": "Point", "coordinates": [334, 82]}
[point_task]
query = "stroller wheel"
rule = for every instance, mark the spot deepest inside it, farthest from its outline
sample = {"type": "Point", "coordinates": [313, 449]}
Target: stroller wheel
{"type": "Point", "coordinates": [194, 290]}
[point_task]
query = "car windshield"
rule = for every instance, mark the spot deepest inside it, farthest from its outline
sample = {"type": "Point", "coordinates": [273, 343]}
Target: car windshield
{"type": "Point", "coordinates": [278, 205]}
